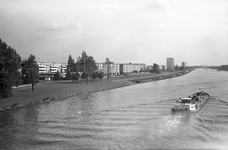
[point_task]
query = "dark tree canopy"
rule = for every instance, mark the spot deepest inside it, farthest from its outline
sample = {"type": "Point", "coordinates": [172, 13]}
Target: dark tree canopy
{"type": "Point", "coordinates": [87, 64]}
{"type": "Point", "coordinates": [224, 67]}
{"type": "Point", "coordinates": [156, 68]}
{"type": "Point", "coordinates": [71, 68]}
{"type": "Point", "coordinates": [71, 64]}
{"type": "Point", "coordinates": [10, 62]}
{"type": "Point", "coordinates": [30, 70]}
{"type": "Point", "coordinates": [95, 75]}
{"type": "Point", "coordinates": [84, 75]}
{"type": "Point", "coordinates": [76, 76]}
{"type": "Point", "coordinates": [5, 86]}
{"type": "Point", "coordinates": [100, 75]}
{"type": "Point", "coordinates": [57, 76]}
{"type": "Point", "coordinates": [68, 75]}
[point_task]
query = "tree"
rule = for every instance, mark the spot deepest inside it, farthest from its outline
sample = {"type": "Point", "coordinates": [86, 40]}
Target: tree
{"type": "Point", "coordinates": [156, 68]}
{"type": "Point", "coordinates": [76, 76]}
{"type": "Point", "coordinates": [84, 76]}
{"type": "Point", "coordinates": [176, 67]}
{"type": "Point", "coordinates": [95, 75]}
{"type": "Point", "coordinates": [107, 62]}
{"type": "Point", "coordinates": [5, 86]}
{"type": "Point", "coordinates": [100, 75]}
{"type": "Point", "coordinates": [68, 75]}
{"type": "Point", "coordinates": [71, 64]}
{"type": "Point", "coordinates": [144, 70]}
{"type": "Point", "coordinates": [87, 65]}
{"type": "Point", "coordinates": [72, 69]}
{"type": "Point", "coordinates": [224, 67]}
{"type": "Point", "coordinates": [30, 70]}
{"type": "Point", "coordinates": [10, 62]}
{"type": "Point", "coordinates": [57, 76]}
{"type": "Point", "coordinates": [135, 71]}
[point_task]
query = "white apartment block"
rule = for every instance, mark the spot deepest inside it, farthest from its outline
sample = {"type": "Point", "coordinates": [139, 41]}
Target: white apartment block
{"type": "Point", "coordinates": [100, 66]}
{"type": "Point", "coordinates": [113, 68]}
{"type": "Point", "coordinates": [48, 69]}
{"type": "Point", "coordinates": [51, 67]}
{"type": "Point", "coordinates": [130, 67]}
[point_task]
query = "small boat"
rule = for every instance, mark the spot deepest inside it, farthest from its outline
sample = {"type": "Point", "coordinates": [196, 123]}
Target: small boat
{"type": "Point", "coordinates": [191, 103]}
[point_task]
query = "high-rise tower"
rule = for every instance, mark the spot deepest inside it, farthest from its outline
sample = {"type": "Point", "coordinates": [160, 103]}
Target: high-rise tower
{"type": "Point", "coordinates": [170, 64]}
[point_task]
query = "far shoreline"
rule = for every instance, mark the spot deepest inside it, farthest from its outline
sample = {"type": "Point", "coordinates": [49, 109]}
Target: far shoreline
{"type": "Point", "coordinates": [55, 91]}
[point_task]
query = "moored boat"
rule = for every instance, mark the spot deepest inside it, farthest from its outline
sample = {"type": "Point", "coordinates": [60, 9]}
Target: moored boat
{"type": "Point", "coordinates": [191, 103]}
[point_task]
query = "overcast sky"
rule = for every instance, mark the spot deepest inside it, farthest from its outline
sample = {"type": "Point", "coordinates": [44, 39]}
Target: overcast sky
{"type": "Point", "coordinates": [137, 31]}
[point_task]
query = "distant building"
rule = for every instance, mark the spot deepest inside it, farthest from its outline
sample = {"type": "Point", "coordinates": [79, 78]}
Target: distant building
{"type": "Point", "coordinates": [170, 64]}
{"type": "Point", "coordinates": [184, 65]}
{"type": "Point", "coordinates": [114, 68]}
{"type": "Point", "coordinates": [119, 68]}
{"type": "Point", "coordinates": [47, 70]}
{"type": "Point", "coordinates": [162, 67]}
{"type": "Point", "coordinates": [130, 67]}
{"type": "Point", "coordinates": [100, 66]}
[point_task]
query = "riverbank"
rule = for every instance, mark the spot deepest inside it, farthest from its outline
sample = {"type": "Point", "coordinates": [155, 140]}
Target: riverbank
{"type": "Point", "coordinates": [46, 92]}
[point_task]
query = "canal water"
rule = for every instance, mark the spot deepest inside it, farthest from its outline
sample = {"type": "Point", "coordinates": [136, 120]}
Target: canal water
{"type": "Point", "coordinates": [133, 117]}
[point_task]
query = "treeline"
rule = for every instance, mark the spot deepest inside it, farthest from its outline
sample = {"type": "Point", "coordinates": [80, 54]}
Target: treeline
{"type": "Point", "coordinates": [224, 67]}
{"type": "Point", "coordinates": [14, 71]}
{"type": "Point", "coordinates": [157, 69]}
{"type": "Point", "coordinates": [85, 67]}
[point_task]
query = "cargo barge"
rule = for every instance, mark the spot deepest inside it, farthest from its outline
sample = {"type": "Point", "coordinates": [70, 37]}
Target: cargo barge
{"type": "Point", "coordinates": [191, 103]}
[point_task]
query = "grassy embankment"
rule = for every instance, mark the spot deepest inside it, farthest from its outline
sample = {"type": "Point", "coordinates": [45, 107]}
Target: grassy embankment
{"type": "Point", "coordinates": [46, 92]}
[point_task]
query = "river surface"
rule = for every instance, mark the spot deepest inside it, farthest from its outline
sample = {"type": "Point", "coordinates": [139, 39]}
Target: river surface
{"type": "Point", "coordinates": [133, 117]}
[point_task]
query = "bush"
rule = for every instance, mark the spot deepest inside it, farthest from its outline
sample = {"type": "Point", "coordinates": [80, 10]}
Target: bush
{"type": "Point", "coordinates": [5, 86]}
{"type": "Point", "coordinates": [94, 75]}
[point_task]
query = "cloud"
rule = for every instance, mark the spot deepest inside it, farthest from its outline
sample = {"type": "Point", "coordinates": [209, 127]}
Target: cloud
{"type": "Point", "coordinates": [158, 5]}
{"type": "Point", "coordinates": [61, 26]}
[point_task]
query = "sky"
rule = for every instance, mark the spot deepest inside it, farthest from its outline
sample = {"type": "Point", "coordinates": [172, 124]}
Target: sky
{"type": "Point", "coordinates": [136, 31]}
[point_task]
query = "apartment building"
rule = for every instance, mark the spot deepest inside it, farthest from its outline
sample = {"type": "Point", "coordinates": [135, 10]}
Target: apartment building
{"type": "Point", "coordinates": [184, 65]}
{"type": "Point", "coordinates": [162, 67]}
{"type": "Point", "coordinates": [48, 69]}
{"type": "Point", "coordinates": [130, 67]}
{"type": "Point", "coordinates": [111, 67]}
{"type": "Point", "coordinates": [170, 64]}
